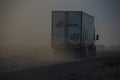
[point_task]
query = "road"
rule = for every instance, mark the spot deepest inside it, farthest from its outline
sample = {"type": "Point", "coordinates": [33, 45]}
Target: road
{"type": "Point", "coordinates": [52, 72]}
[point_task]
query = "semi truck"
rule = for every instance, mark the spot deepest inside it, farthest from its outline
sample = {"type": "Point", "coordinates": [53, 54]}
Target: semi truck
{"type": "Point", "coordinates": [73, 31]}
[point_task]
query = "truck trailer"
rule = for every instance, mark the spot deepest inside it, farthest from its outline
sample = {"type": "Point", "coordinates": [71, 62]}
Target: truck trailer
{"type": "Point", "coordinates": [73, 31]}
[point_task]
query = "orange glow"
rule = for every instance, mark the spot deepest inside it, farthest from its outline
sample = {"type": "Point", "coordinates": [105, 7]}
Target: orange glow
{"type": "Point", "coordinates": [57, 46]}
{"type": "Point", "coordinates": [77, 46]}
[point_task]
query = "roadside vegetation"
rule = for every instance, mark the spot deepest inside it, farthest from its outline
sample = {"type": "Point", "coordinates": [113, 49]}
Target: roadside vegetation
{"type": "Point", "coordinates": [111, 68]}
{"type": "Point", "coordinates": [108, 70]}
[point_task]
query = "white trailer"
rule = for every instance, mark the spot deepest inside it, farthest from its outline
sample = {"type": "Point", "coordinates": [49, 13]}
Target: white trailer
{"type": "Point", "coordinates": [73, 30]}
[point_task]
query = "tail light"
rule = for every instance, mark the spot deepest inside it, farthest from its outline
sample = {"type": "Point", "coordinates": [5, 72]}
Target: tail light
{"type": "Point", "coordinates": [77, 46]}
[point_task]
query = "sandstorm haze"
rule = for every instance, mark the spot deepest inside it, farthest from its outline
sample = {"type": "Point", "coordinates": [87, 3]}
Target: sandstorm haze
{"type": "Point", "coordinates": [28, 22]}
{"type": "Point", "coordinates": [25, 26]}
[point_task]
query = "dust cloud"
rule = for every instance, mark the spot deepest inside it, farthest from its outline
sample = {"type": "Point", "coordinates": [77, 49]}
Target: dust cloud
{"type": "Point", "coordinates": [25, 30]}
{"type": "Point", "coordinates": [25, 35]}
{"type": "Point", "coordinates": [26, 57]}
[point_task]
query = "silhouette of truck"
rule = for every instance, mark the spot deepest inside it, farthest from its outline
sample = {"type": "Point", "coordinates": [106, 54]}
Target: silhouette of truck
{"type": "Point", "coordinates": [73, 31]}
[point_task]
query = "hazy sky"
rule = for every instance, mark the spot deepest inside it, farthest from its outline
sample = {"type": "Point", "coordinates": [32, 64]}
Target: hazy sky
{"type": "Point", "coordinates": [28, 22]}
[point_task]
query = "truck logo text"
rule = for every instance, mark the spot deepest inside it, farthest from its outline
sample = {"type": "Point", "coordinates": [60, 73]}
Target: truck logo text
{"type": "Point", "coordinates": [62, 24]}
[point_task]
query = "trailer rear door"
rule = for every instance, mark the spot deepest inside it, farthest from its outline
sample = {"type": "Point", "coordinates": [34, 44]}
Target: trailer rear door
{"type": "Point", "coordinates": [66, 29]}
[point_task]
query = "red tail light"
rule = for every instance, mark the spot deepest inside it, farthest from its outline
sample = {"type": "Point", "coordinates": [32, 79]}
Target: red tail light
{"type": "Point", "coordinates": [77, 46]}
{"type": "Point", "coordinates": [55, 46]}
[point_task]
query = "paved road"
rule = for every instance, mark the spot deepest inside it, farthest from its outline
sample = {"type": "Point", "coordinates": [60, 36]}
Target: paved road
{"type": "Point", "coordinates": [51, 72]}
